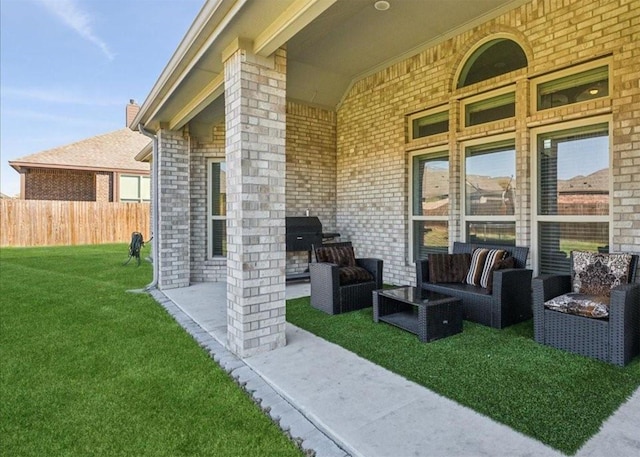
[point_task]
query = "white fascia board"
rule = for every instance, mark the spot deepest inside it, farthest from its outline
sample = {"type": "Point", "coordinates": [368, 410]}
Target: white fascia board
{"type": "Point", "coordinates": [146, 154]}
{"type": "Point", "coordinates": [290, 22]}
{"type": "Point", "coordinates": [211, 91]}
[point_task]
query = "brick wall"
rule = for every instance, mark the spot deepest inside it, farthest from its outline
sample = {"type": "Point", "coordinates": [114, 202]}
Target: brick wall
{"type": "Point", "coordinates": [372, 154]}
{"type": "Point", "coordinates": [47, 184]}
{"type": "Point", "coordinates": [202, 150]}
{"type": "Point", "coordinates": [311, 170]}
{"type": "Point", "coordinates": [173, 212]}
{"type": "Point", "coordinates": [310, 182]}
{"type": "Point", "coordinates": [104, 187]}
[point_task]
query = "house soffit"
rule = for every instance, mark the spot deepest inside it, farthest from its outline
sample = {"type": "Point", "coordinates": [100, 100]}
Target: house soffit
{"type": "Point", "coordinates": [330, 45]}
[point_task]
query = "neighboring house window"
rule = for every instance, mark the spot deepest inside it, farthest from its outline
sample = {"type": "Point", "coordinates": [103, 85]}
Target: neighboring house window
{"type": "Point", "coordinates": [489, 174]}
{"type": "Point", "coordinates": [135, 189]}
{"type": "Point", "coordinates": [217, 171]}
{"type": "Point", "coordinates": [430, 203]}
{"type": "Point", "coordinates": [573, 182]}
{"type": "Point", "coordinates": [493, 58]}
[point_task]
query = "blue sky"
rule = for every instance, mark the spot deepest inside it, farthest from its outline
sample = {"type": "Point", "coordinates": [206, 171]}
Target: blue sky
{"type": "Point", "coordinates": [69, 67]}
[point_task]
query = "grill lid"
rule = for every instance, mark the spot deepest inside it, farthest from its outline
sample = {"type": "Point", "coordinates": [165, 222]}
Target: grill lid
{"type": "Point", "coordinates": [305, 224]}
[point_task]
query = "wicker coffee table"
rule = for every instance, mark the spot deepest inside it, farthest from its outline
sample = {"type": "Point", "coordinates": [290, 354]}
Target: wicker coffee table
{"type": "Point", "coordinates": [429, 315]}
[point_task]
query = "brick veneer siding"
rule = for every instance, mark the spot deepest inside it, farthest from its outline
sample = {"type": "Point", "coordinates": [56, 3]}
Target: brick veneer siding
{"type": "Point", "coordinates": [372, 151]}
{"type": "Point", "coordinates": [310, 183]}
{"type": "Point", "coordinates": [49, 184]}
{"type": "Point", "coordinates": [104, 187]}
{"type": "Point", "coordinates": [311, 170]}
{"type": "Point", "coordinates": [173, 210]}
{"type": "Point", "coordinates": [204, 268]}
{"type": "Point", "coordinates": [255, 117]}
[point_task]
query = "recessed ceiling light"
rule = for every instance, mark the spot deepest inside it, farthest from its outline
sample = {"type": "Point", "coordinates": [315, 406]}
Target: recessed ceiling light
{"type": "Point", "coordinates": [381, 5]}
{"type": "Point", "coordinates": [594, 91]}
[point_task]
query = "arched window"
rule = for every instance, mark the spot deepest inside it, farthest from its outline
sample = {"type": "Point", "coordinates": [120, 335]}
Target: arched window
{"type": "Point", "coordinates": [493, 58]}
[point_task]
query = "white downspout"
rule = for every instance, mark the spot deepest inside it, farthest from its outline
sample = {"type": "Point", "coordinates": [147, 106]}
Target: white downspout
{"type": "Point", "coordinates": [155, 169]}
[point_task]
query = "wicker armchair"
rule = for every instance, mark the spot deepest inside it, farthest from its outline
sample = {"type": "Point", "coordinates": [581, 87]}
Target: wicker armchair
{"type": "Point", "coordinates": [330, 294]}
{"type": "Point", "coordinates": [614, 340]}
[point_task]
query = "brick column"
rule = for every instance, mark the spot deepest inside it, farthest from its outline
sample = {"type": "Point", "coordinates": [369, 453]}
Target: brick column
{"type": "Point", "coordinates": [255, 113]}
{"type": "Point", "coordinates": [104, 187]}
{"type": "Point", "coordinates": [173, 210]}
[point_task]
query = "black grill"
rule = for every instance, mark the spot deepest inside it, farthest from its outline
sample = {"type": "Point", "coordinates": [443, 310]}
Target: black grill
{"type": "Point", "coordinates": [303, 233]}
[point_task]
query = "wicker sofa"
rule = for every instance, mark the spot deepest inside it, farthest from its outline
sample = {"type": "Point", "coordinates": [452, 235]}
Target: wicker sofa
{"type": "Point", "coordinates": [340, 282]}
{"type": "Point", "coordinates": [508, 302]}
{"type": "Point", "coordinates": [613, 339]}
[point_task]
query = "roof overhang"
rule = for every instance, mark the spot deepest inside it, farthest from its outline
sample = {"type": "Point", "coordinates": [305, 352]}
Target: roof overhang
{"type": "Point", "coordinates": [194, 76]}
{"type": "Point", "coordinates": [146, 154]}
{"type": "Point", "coordinates": [23, 166]}
{"type": "Point", "coordinates": [330, 45]}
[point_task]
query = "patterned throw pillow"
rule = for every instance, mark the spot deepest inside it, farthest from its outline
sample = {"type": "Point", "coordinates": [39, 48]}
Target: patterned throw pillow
{"type": "Point", "coordinates": [448, 267]}
{"type": "Point", "coordinates": [596, 273]}
{"type": "Point", "coordinates": [343, 256]}
{"type": "Point", "coordinates": [580, 305]}
{"type": "Point", "coordinates": [483, 262]}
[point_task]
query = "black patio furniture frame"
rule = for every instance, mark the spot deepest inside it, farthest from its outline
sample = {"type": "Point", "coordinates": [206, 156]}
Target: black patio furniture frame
{"type": "Point", "coordinates": [615, 340]}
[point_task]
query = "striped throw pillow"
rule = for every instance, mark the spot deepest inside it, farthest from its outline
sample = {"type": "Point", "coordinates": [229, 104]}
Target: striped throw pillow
{"type": "Point", "coordinates": [483, 263]}
{"type": "Point", "coordinates": [477, 263]}
{"type": "Point", "coordinates": [494, 258]}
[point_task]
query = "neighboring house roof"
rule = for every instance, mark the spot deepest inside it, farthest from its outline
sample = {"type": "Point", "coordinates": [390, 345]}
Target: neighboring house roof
{"type": "Point", "coordinates": [113, 151]}
{"type": "Point", "coordinates": [5, 196]}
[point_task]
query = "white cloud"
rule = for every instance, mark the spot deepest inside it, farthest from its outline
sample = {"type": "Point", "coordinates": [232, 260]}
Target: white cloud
{"type": "Point", "coordinates": [72, 15]}
{"type": "Point", "coordinates": [57, 96]}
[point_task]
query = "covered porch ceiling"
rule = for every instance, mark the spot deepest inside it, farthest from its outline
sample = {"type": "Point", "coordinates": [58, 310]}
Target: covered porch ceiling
{"type": "Point", "coordinates": [330, 45]}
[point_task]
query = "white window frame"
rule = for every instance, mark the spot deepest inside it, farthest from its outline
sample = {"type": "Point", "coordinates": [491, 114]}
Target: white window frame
{"type": "Point", "coordinates": [463, 182]}
{"type": "Point", "coordinates": [535, 82]}
{"type": "Point", "coordinates": [210, 217]}
{"type": "Point", "coordinates": [536, 217]}
{"type": "Point", "coordinates": [439, 151]}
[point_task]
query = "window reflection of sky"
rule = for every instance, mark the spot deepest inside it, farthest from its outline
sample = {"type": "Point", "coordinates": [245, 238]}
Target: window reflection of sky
{"type": "Point", "coordinates": [582, 157]}
{"type": "Point", "coordinates": [494, 165]}
{"type": "Point", "coordinates": [575, 157]}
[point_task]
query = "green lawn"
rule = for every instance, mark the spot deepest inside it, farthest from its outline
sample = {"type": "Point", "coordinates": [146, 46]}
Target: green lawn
{"type": "Point", "coordinates": [89, 369]}
{"type": "Point", "coordinates": [558, 398]}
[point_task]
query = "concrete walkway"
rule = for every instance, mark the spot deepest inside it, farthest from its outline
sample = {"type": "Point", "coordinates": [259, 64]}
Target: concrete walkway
{"type": "Point", "coordinates": [336, 403]}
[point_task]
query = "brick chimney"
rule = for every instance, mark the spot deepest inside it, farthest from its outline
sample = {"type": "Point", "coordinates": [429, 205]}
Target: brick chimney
{"type": "Point", "coordinates": [131, 111]}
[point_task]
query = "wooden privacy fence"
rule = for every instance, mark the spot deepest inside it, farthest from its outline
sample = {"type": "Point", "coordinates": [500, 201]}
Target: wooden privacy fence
{"type": "Point", "coordinates": [49, 223]}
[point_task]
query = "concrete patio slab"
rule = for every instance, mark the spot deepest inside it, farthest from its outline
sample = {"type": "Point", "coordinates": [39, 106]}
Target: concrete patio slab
{"type": "Point", "coordinates": [338, 403]}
